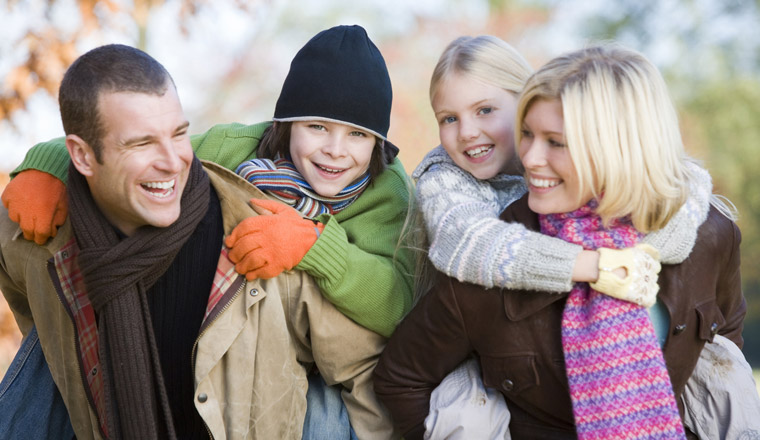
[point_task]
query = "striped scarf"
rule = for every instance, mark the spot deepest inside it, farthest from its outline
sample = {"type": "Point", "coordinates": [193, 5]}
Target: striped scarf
{"type": "Point", "coordinates": [619, 383]}
{"type": "Point", "coordinates": [280, 179]}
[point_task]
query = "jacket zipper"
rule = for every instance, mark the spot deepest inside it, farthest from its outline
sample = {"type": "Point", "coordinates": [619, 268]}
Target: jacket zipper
{"type": "Point", "coordinates": [205, 328]}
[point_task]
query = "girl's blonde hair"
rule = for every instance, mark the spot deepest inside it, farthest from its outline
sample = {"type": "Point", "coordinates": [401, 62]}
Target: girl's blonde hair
{"type": "Point", "coordinates": [621, 129]}
{"type": "Point", "coordinates": [485, 58]}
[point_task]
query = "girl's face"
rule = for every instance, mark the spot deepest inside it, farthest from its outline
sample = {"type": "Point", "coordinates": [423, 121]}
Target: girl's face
{"type": "Point", "coordinates": [330, 155]}
{"type": "Point", "coordinates": [549, 172]}
{"type": "Point", "coordinates": [476, 124]}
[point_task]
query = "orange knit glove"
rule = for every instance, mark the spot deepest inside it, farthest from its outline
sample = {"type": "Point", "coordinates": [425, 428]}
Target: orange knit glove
{"type": "Point", "coordinates": [266, 245]}
{"type": "Point", "coordinates": [37, 202]}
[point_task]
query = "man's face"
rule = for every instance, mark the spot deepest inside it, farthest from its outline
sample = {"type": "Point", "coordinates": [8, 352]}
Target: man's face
{"type": "Point", "coordinates": [145, 160]}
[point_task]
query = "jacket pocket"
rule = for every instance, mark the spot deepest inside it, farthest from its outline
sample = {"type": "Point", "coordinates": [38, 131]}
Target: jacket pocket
{"type": "Point", "coordinates": [711, 320]}
{"type": "Point", "coordinates": [510, 374]}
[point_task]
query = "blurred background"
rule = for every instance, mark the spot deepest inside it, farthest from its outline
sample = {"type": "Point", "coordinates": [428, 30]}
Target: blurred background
{"type": "Point", "coordinates": [229, 58]}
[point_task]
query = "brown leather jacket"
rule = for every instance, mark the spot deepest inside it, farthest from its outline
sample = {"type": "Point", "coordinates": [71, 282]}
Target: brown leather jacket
{"type": "Point", "coordinates": [516, 335]}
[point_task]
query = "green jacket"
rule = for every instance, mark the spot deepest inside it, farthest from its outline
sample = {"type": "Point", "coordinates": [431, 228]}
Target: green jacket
{"type": "Point", "coordinates": [358, 261]}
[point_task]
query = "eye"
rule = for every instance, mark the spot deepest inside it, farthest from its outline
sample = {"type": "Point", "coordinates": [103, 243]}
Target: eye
{"type": "Point", "coordinates": [358, 133]}
{"type": "Point", "coordinates": [447, 120]}
{"type": "Point", "coordinates": [526, 133]}
{"type": "Point", "coordinates": [319, 127]}
{"type": "Point", "coordinates": [556, 144]}
{"type": "Point", "coordinates": [485, 110]}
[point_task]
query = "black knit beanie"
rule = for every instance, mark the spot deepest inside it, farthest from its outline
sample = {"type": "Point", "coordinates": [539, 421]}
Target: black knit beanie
{"type": "Point", "coordinates": [340, 76]}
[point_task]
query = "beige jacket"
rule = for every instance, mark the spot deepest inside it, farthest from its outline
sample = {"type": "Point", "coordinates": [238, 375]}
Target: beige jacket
{"type": "Point", "coordinates": [249, 383]}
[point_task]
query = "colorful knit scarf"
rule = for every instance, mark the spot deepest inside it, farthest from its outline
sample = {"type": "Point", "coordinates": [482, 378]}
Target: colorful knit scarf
{"type": "Point", "coordinates": [280, 179]}
{"type": "Point", "coordinates": [619, 383]}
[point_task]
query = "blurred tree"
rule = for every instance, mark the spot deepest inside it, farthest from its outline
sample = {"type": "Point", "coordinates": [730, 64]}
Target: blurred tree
{"type": "Point", "coordinates": [49, 51]}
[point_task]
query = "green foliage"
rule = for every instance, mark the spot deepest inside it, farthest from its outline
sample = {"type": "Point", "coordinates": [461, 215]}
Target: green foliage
{"type": "Point", "coordinates": [722, 121]}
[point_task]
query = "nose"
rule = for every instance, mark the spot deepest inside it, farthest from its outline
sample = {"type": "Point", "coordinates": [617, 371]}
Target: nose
{"type": "Point", "coordinates": [335, 145]}
{"type": "Point", "coordinates": [468, 129]}
{"type": "Point", "coordinates": [168, 157]}
{"type": "Point", "coordinates": [533, 154]}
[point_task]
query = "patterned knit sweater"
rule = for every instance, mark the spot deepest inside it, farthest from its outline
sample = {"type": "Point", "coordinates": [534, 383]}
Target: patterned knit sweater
{"type": "Point", "coordinates": [470, 243]}
{"type": "Point", "coordinates": [356, 262]}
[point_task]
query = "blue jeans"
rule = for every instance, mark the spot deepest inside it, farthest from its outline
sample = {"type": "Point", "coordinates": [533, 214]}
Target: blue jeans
{"type": "Point", "coordinates": [326, 415]}
{"type": "Point", "coordinates": [30, 404]}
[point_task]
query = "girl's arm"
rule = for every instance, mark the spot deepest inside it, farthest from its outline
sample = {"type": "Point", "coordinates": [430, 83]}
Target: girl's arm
{"type": "Point", "coordinates": [469, 242]}
{"type": "Point", "coordinates": [677, 238]}
{"type": "Point", "coordinates": [357, 260]}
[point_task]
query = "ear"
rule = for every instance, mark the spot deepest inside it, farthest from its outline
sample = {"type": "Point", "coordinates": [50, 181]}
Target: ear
{"type": "Point", "coordinates": [82, 155]}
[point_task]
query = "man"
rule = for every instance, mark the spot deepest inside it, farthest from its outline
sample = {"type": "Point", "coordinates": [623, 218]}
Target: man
{"type": "Point", "coordinates": [146, 327]}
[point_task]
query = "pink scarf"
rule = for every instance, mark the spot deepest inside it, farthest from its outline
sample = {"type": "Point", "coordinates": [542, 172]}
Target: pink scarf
{"type": "Point", "coordinates": [619, 383]}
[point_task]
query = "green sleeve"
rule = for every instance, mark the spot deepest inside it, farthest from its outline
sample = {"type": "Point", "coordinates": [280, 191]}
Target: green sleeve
{"type": "Point", "coordinates": [358, 262]}
{"type": "Point", "coordinates": [229, 145]}
{"type": "Point", "coordinates": [51, 157]}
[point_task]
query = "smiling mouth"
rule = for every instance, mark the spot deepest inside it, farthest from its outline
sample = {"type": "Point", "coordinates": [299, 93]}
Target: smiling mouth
{"type": "Point", "coordinates": [329, 170]}
{"type": "Point", "coordinates": [159, 189]}
{"type": "Point", "coordinates": [543, 183]}
{"type": "Point", "coordinates": [479, 151]}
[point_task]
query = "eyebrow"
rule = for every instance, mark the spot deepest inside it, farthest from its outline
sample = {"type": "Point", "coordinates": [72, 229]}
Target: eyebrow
{"type": "Point", "coordinates": [474, 104]}
{"type": "Point", "coordinates": [137, 140]}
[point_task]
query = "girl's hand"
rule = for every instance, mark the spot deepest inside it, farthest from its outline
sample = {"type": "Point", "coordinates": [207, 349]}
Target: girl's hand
{"type": "Point", "coordinates": [266, 245]}
{"type": "Point", "coordinates": [641, 267]}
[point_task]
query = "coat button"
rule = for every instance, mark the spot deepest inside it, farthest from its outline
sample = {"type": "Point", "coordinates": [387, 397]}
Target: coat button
{"type": "Point", "coordinates": [507, 384]}
{"type": "Point", "coordinates": [679, 329]}
{"type": "Point", "coordinates": [714, 328]}
{"type": "Point", "coordinates": [202, 397]}
{"type": "Point", "coordinates": [254, 292]}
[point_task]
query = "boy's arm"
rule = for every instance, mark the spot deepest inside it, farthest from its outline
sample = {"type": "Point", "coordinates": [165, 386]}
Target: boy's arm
{"type": "Point", "coordinates": [357, 260]}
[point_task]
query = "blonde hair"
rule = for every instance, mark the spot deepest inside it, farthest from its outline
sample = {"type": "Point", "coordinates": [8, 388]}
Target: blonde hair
{"type": "Point", "coordinates": [621, 129]}
{"type": "Point", "coordinates": [485, 58]}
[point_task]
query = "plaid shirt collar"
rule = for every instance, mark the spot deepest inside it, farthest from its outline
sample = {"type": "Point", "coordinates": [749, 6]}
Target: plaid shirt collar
{"type": "Point", "coordinates": [74, 298]}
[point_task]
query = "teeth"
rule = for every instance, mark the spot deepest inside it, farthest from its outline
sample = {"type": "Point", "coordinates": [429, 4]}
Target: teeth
{"type": "Point", "coordinates": [160, 185]}
{"type": "Point", "coordinates": [543, 183]}
{"type": "Point", "coordinates": [329, 170]}
{"type": "Point", "coordinates": [478, 152]}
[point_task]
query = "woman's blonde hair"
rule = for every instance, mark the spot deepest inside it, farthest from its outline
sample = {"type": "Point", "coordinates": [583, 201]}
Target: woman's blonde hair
{"type": "Point", "coordinates": [486, 58]}
{"type": "Point", "coordinates": [621, 129]}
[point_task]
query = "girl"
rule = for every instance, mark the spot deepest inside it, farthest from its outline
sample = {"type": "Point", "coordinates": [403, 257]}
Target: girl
{"type": "Point", "coordinates": [326, 155]}
{"type": "Point", "coordinates": [464, 184]}
{"type": "Point", "coordinates": [604, 164]}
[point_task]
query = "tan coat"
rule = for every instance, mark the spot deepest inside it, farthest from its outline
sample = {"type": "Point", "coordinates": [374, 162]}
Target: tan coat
{"type": "Point", "coordinates": [249, 383]}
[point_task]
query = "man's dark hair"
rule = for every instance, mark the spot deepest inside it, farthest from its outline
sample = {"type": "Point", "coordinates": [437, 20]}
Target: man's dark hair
{"type": "Point", "coordinates": [106, 69]}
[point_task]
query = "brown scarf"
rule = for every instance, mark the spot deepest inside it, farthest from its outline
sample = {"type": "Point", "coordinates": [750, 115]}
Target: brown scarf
{"type": "Point", "coordinates": [118, 274]}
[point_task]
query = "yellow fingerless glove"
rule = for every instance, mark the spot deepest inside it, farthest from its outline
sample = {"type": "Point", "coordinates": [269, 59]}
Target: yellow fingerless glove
{"type": "Point", "coordinates": [642, 265]}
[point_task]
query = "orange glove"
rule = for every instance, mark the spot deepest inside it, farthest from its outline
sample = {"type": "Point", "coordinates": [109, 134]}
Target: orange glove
{"type": "Point", "coordinates": [266, 245]}
{"type": "Point", "coordinates": [36, 201]}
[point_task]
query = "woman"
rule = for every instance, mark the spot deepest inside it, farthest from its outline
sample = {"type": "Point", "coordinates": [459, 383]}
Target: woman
{"type": "Point", "coordinates": [598, 135]}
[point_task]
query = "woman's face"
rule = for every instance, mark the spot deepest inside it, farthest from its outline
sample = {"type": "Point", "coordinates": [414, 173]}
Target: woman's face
{"type": "Point", "coordinates": [330, 155]}
{"type": "Point", "coordinates": [476, 124]}
{"type": "Point", "coordinates": [549, 172]}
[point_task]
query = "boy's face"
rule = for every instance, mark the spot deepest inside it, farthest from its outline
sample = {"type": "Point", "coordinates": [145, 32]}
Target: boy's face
{"type": "Point", "coordinates": [145, 161]}
{"type": "Point", "coordinates": [330, 155]}
{"type": "Point", "coordinates": [476, 124]}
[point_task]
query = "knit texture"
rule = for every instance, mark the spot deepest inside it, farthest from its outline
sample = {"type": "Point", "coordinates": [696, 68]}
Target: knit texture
{"type": "Point", "coordinates": [371, 280]}
{"type": "Point", "coordinates": [280, 179]}
{"type": "Point", "coordinates": [619, 383]}
{"type": "Point", "coordinates": [338, 75]}
{"type": "Point", "coordinates": [469, 242]}
{"type": "Point", "coordinates": [117, 273]}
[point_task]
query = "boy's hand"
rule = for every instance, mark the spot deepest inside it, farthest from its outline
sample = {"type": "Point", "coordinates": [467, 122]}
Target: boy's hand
{"type": "Point", "coordinates": [642, 266]}
{"type": "Point", "coordinates": [37, 202]}
{"type": "Point", "coordinates": [277, 240]}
